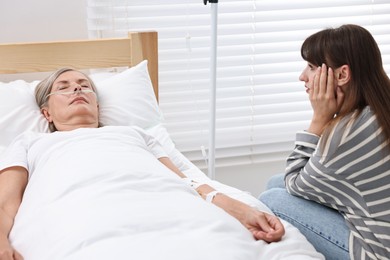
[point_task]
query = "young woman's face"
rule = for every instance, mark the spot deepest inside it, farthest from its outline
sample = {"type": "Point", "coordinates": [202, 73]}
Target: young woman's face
{"type": "Point", "coordinates": [307, 76]}
{"type": "Point", "coordinates": [72, 103]}
{"type": "Point", "coordinates": [308, 73]}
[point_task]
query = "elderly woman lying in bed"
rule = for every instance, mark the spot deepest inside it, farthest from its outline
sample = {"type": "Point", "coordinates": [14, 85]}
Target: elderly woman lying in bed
{"type": "Point", "coordinates": [79, 149]}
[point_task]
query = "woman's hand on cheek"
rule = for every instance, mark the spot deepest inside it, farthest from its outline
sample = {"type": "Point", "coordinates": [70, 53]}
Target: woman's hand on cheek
{"type": "Point", "coordinates": [325, 99]}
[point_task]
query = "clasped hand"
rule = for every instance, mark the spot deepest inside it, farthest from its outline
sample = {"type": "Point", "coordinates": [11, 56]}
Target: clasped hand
{"type": "Point", "coordinates": [263, 226]}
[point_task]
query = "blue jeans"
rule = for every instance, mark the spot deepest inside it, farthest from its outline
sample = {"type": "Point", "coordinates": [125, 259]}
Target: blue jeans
{"type": "Point", "coordinates": [324, 228]}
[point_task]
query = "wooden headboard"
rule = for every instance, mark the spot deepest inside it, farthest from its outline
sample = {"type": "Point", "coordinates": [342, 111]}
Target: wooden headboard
{"type": "Point", "coordinates": [82, 54]}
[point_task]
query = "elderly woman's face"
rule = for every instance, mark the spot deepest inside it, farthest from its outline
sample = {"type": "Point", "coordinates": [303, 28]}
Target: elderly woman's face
{"type": "Point", "coordinates": [71, 103]}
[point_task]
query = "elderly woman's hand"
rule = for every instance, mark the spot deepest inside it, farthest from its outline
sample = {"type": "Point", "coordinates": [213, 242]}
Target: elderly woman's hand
{"type": "Point", "coordinates": [7, 252]}
{"type": "Point", "coordinates": [263, 226]}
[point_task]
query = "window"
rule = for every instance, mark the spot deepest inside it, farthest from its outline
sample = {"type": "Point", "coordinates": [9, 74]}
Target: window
{"type": "Point", "coordinates": [260, 101]}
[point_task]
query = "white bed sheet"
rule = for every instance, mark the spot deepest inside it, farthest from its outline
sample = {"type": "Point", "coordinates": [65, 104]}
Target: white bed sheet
{"type": "Point", "coordinates": [78, 206]}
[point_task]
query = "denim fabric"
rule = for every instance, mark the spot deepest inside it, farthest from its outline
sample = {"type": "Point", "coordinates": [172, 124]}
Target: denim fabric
{"type": "Point", "coordinates": [324, 227]}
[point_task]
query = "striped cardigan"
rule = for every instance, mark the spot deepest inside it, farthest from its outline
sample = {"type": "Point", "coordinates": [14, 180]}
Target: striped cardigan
{"type": "Point", "coordinates": [350, 172]}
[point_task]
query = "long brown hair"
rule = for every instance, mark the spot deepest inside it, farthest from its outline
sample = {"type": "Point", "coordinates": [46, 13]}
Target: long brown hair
{"type": "Point", "coordinates": [354, 46]}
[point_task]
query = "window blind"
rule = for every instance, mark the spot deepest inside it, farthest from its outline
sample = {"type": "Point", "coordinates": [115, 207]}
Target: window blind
{"type": "Point", "coordinates": [260, 101]}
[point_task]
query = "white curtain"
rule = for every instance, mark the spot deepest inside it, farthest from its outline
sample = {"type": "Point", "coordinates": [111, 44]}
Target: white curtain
{"type": "Point", "coordinates": [260, 101]}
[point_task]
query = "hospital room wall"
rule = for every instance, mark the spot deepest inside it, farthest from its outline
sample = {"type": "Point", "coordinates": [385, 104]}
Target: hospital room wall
{"type": "Point", "coordinates": [48, 20]}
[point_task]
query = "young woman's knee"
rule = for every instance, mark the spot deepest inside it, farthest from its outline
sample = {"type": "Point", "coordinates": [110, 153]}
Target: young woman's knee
{"type": "Point", "coordinates": [276, 181]}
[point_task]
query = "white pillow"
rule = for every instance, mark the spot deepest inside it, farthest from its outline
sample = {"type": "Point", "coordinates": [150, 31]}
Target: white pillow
{"type": "Point", "coordinates": [18, 111]}
{"type": "Point", "coordinates": [125, 98]}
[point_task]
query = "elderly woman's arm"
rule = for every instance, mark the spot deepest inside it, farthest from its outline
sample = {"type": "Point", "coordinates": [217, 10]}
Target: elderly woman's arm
{"type": "Point", "coordinates": [262, 225]}
{"type": "Point", "coordinates": [13, 182]}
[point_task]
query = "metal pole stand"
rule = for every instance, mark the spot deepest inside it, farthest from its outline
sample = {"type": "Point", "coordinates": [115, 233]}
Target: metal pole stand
{"type": "Point", "coordinates": [213, 81]}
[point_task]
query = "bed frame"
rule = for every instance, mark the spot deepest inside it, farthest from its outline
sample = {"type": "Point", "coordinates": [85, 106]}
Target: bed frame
{"type": "Point", "coordinates": [82, 54]}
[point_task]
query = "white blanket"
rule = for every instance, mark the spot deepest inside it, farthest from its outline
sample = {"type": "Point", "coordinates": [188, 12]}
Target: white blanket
{"type": "Point", "coordinates": [99, 194]}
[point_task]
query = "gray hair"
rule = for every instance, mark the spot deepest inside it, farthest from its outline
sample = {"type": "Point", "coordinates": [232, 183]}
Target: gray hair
{"type": "Point", "coordinates": [44, 88]}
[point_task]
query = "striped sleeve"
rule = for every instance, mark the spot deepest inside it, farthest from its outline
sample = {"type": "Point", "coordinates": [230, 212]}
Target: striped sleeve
{"type": "Point", "coordinates": [350, 173]}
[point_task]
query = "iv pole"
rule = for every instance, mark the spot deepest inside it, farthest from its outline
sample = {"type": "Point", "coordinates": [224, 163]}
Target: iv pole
{"type": "Point", "coordinates": [213, 81]}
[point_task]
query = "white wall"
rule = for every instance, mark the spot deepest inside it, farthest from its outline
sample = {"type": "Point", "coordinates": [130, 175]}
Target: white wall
{"type": "Point", "coordinates": [51, 20]}
{"type": "Point", "coordinates": [42, 20]}
{"type": "Point", "coordinates": [251, 178]}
